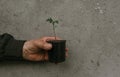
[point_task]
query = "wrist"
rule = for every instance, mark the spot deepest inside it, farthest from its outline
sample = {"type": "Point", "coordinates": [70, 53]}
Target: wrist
{"type": "Point", "coordinates": [25, 50]}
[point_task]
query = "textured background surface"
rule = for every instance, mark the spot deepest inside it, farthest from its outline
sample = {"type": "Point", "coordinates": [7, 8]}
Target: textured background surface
{"type": "Point", "coordinates": [91, 28]}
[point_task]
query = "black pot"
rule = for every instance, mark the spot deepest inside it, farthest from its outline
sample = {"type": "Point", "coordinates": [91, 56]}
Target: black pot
{"type": "Point", "coordinates": [57, 53]}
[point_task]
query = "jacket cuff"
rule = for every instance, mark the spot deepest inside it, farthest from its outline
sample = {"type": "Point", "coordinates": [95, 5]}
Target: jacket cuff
{"type": "Point", "coordinates": [14, 49]}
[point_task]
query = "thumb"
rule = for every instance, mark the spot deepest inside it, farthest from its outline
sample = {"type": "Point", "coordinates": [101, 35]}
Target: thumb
{"type": "Point", "coordinates": [43, 45]}
{"type": "Point", "coordinates": [47, 46]}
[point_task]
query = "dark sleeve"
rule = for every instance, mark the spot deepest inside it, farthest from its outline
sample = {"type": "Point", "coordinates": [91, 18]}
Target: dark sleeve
{"type": "Point", "coordinates": [10, 48]}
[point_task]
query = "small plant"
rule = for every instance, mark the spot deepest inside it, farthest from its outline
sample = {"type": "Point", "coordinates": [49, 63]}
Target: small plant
{"type": "Point", "coordinates": [57, 53]}
{"type": "Point", "coordinates": [53, 22]}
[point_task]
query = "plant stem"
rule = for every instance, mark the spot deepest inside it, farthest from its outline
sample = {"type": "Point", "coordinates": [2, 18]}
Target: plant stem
{"type": "Point", "coordinates": [54, 31]}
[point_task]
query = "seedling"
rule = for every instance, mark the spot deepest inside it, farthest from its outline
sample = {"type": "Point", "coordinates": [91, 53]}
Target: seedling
{"type": "Point", "coordinates": [57, 53]}
{"type": "Point", "coordinates": [53, 22]}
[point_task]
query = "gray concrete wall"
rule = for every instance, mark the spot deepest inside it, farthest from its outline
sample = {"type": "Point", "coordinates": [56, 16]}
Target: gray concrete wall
{"type": "Point", "coordinates": [91, 28]}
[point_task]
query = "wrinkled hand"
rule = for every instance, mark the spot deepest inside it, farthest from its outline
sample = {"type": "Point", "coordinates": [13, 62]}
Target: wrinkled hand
{"type": "Point", "coordinates": [37, 50]}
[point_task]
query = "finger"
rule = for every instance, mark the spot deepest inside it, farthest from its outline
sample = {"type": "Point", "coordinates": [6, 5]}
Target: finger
{"type": "Point", "coordinates": [36, 57]}
{"type": "Point", "coordinates": [46, 46]}
{"type": "Point", "coordinates": [40, 57]}
{"type": "Point", "coordinates": [43, 45]}
{"type": "Point", "coordinates": [66, 49]}
{"type": "Point", "coordinates": [66, 54]}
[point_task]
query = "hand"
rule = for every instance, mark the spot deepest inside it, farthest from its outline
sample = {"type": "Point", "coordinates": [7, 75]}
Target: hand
{"type": "Point", "coordinates": [37, 50]}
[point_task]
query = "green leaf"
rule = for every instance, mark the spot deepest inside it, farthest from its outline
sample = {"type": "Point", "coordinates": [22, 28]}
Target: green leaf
{"type": "Point", "coordinates": [56, 21]}
{"type": "Point", "coordinates": [50, 20]}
